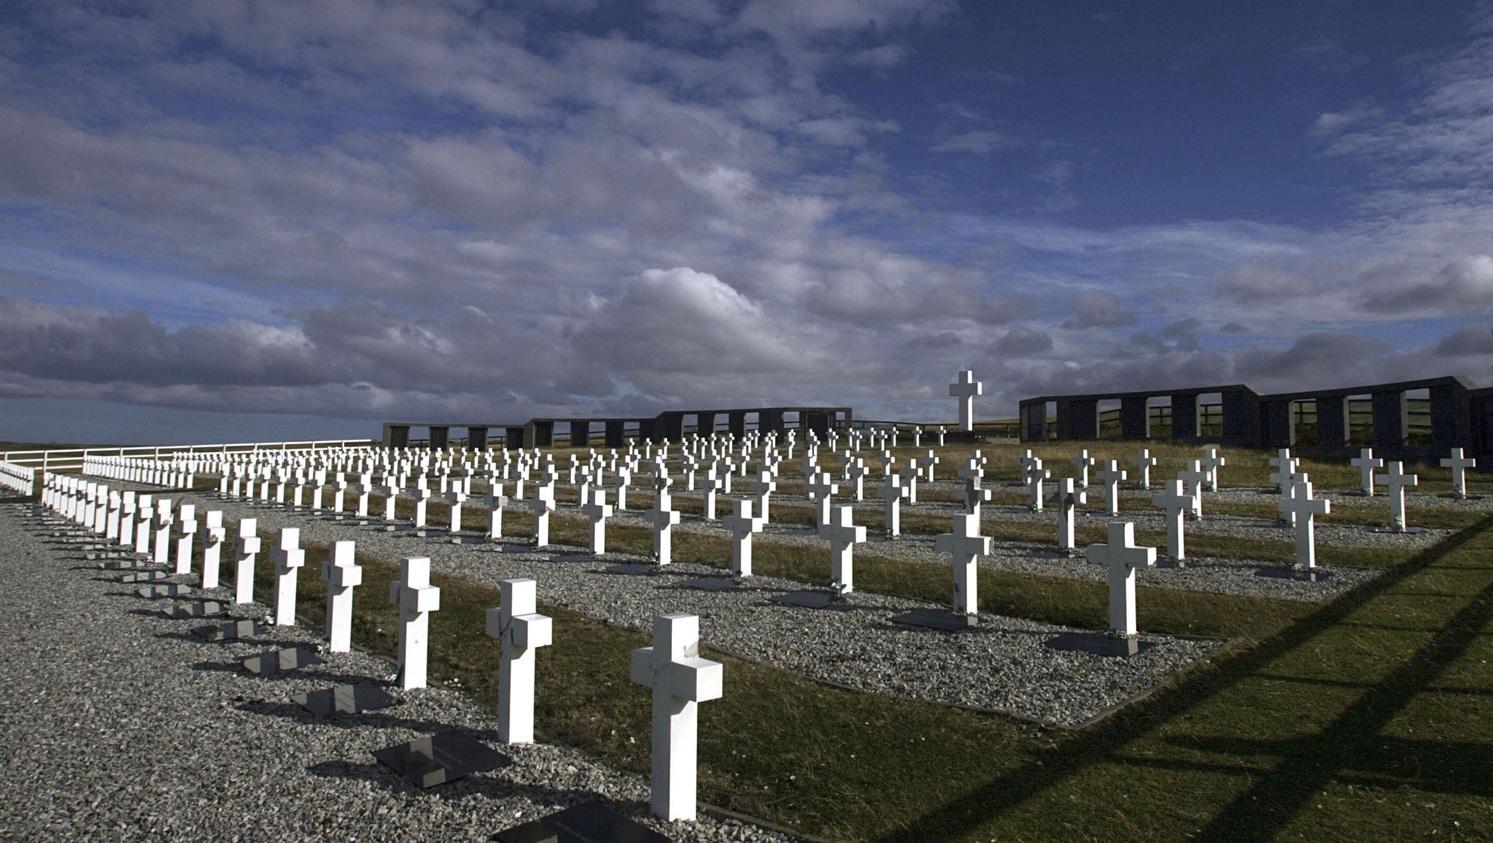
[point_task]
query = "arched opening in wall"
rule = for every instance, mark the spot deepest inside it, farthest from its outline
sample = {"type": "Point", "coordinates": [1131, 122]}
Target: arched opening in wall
{"type": "Point", "coordinates": [1359, 410]}
{"type": "Point", "coordinates": [1109, 426]}
{"type": "Point", "coordinates": [1210, 415]}
{"type": "Point", "coordinates": [1159, 417]}
{"type": "Point", "coordinates": [1050, 420]}
{"type": "Point", "coordinates": [1418, 417]}
{"type": "Point", "coordinates": [1304, 422]}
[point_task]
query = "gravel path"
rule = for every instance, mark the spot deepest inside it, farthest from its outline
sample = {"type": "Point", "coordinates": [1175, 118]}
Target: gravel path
{"type": "Point", "coordinates": [1004, 664]}
{"type": "Point", "coordinates": [121, 726]}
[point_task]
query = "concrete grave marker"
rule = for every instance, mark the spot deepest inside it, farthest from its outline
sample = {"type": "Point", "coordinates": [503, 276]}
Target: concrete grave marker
{"type": "Point", "coordinates": [892, 492]}
{"type": "Point", "coordinates": [522, 631]}
{"type": "Point", "coordinates": [1067, 499]}
{"type": "Point", "coordinates": [416, 599]}
{"type": "Point", "coordinates": [1143, 463]}
{"type": "Point", "coordinates": [1175, 503]}
{"type": "Point", "coordinates": [1366, 462]}
{"type": "Point", "coordinates": [597, 511]}
{"type": "Point", "coordinates": [680, 681]}
{"type": "Point", "coordinates": [964, 545]}
{"type": "Point", "coordinates": [742, 525]}
{"type": "Point", "coordinates": [843, 536]}
{"type": "Point", "coordinates": [243, 569]}
{"type": "Point", "coordinates": [1121, 556]}
{"type": "Point", "coordinates": [342, 574]}
{"type": "Point", "coordinates": [1459, 465]}
{"type": "Point", "coordinates": [1395, 481]}
{"type": "Point", "coordinates": [1110, 477]}
{"type": "Point", "coordinates": [288, 558]}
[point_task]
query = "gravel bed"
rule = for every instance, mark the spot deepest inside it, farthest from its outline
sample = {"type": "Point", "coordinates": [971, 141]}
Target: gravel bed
{"type": "Point", "coordinates": [119, 725]}
{"type": "Point", "coordinates": [1004, 664]}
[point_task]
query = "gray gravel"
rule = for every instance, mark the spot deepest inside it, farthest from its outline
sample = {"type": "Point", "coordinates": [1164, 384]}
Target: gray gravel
{"type": "Point", "coordinates": [120, 726]}
{"type": "Point", "coordinates": [1004, 664]}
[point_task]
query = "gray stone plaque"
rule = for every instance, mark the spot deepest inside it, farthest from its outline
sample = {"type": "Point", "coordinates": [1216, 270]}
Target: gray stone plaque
{"type": "Point", "coordinates": [441, 758]}
{"type": "Point", "coordinates": [155, 592]}
{"type": "Point", "coordinates": [589, 822]}
{"type": "Point", "coordinates": [937, 619]}
{"type": "Point", "coordinates": [711, 583]}
{"type": "Point", "coordinates": [806, 599]}
{"type": "Point", "coordinates": [1100, 644]}
{"type": "Point", "coordinates": [344, 699]}
{"type": "Point", "coordinates": [230, 631]}
{"type": "Point", "coordinates": [198, 609]}
{"type": "Point", "coordinates": [144, 576]}
{"type": "Point", "coordinates": [278, 661]}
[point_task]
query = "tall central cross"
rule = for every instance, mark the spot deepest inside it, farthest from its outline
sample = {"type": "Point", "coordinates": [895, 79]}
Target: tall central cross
{"type": "Point", "coordinates": [964, 545]}
{"type": "Point", "coordinates": [680, 681]}
{"type": "Point", "coordinates": [1121, 556]}
{"type": "Point", "coordinates": [964, 389]}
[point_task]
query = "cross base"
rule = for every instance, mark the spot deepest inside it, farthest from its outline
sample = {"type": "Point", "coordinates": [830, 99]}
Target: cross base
{"type": "Point", "coordinates": [1408, 531]}
{"type": "Point", "coordinates": [441, 758]}
{"type": "Point", "coordinates": [198, 609]}
{"type": "Point", "coordinates": [1169, 562]}
{"type": "Point", "coordinates": [711, 583]}
{"type": "Point", "coordinates": [632, 569]}
{"type": "Point", "coordinates": [344, 699]}
{"type": "Point", "coordinates": [278, 661]}
{"type": "Point", "coordinates": [230, 631]}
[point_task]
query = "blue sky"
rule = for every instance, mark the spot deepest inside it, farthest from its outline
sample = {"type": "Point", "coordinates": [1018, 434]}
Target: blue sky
{"type": "Point", "coordinates": [224, 218]}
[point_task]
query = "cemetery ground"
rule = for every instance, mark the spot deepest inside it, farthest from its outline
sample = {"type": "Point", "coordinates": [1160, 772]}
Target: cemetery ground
{"type": "Point", "coordinates": [1356, 715]}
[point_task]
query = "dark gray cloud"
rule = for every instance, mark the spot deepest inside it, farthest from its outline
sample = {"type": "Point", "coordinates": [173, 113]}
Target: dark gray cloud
{"type": "Point", "coordinates": [1473, 339]}
{"type": "Point", "coordinates": [1098, 309]}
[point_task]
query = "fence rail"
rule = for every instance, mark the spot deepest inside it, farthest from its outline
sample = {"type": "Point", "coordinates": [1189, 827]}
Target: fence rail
{"type": "Point", "coordinates": [71, 459]}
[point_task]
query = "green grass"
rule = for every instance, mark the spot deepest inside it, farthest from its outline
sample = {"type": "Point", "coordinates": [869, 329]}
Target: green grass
{"type": "Point", "coordinates": [1349, 717]}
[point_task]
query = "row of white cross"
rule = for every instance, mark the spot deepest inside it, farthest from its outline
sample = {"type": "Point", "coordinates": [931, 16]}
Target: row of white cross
{"type": "Point", "coordinates": [672, 667]}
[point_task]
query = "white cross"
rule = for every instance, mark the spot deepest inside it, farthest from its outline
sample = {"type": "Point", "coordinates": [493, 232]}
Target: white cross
{"type": "Point", "coordinates": [819, 490]}
{"type": "Point", "coordinates": [1034, 477]}
{"type": "Point", "coordinates": [1111, 477]}
{"type": "Point", "coordinates": [856, 472]}
{"type": "Point", "coordinates": [454, 499]}
{"type": "Point", "coordinates": [288, 558]}
{"type": "Point", "coordinates": [712, 485]}
{"type": "Point", "coordinates": [1459, 465]}
{"type": "Point", "coordinates": [497, 503]}
{"type": "Point", "coordinates": [213, 536]}
{"type": "Point", "coordinates": [965, 388]}
{"type": "Point", "coordinates": [930, 462]}
{"type": "Point", "coordinates": [164, 519]}
{"type": "Point", "coordinates": [910, 475]}
{"type": "Point", "coordinates": [1067, 499]}
{"type": "Point", "coordinates": [1366, 462]}
{"type": "Point", "coordinates": [892, 492]}
{"type": "Point", "coordinates": [243, 570]}
{"type": "Point", "coordinates": [1082, 463]}
{"type": "Point", "coordinates": [742, 525]}
{"type": "Point", "coordinates": [843, 536]}
{"type": "Point", "coordinates": [680, 680]}
{"type": "Point", "coordinates": [964, 545]}
{"type": "Point", "coordinates": [1175, 503]}
{"type": "Point", "coordinates": [342, 574]}
{"type": "Point", "coordinates": [763, 489]}
{"type": "Point", "coordinates": [1305, 508]}
{"type": "Point", "coordinates": [186, 532]}
{"type": "Point", "coordinates": [662, 517]}
{"type": "Point", "coordinates": [416, 599]}
{"type": "Point", "coordinates": [597, 511]}
{"type": "Point", "coordinates": [1212, 461]}
{"type": "Point", "coordinates": [1283, 505]}
{"type": "Point", "coordinates": [1395, 481]}
{"type": "Point", "coordinates": [542, 504]}
{"type": "Point", "coordinates": [974, 496]}
{"type": "Point", "coordinates": [522, 630]}
{"type": "Point", "coordinates": [1143, 463]}
{"type": "Point", "coordinates": [1122, 557]}
{"type": "Point", "coordinates": [1192, 478]}
{"type": "Point", "coordinates": [1285, 467]}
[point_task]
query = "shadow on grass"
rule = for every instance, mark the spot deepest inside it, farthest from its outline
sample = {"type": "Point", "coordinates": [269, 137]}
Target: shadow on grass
{"type": "Point", "coordinates": [1350, 745]}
